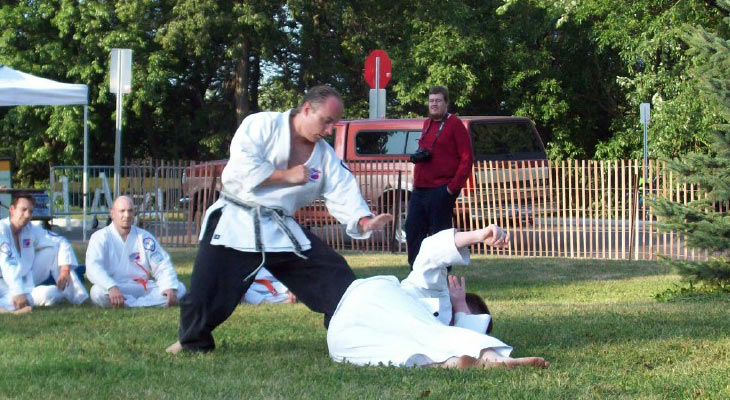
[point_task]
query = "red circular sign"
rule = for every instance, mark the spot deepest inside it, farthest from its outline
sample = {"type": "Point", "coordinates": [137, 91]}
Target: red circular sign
{"type": "Point", "coordinates": [385, 68]}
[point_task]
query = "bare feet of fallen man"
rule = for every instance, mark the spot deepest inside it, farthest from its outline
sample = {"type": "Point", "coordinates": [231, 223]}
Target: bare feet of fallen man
{"type": "Point", "coordinates": [535, 362]}
{"type": "Point", "coordinates": [174, 348]}
{"type": "Point", "coordinates": [22, 310]}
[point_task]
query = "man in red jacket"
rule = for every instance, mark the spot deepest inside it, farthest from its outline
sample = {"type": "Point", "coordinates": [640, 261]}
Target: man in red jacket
{"type": "Point", "coordinates": [443, 164]}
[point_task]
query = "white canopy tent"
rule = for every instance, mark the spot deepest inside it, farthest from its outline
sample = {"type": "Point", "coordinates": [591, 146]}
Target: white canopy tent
{"type": "Point", "coordinates": [18, 88]}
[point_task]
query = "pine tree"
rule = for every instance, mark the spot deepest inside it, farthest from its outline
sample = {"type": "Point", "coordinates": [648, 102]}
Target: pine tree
{"type": "Point", "coordinates": [705, 223]}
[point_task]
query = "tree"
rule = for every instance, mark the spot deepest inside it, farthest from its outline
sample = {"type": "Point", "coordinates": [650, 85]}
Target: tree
{"type": "Point", "coordinates": [705, 223]}
{"type": "Point", "coordinates": [644, 38]}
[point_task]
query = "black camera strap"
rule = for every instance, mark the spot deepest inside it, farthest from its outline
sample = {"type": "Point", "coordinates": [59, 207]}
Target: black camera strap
{"type": "Point", "coordinates": [438, 132]}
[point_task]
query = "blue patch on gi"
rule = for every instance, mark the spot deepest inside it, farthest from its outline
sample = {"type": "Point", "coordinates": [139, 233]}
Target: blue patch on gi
{"type": "Point", "coordinates": [133, 256]}
{"type": "Point", "coordinates": [26, 243]}
{"type": "Point", "coordinates": [314, 174]}
{"type": "Point", "coordinates": [149, 244]}
{"type": "Point", "coordinates": [5, 248]}
{"type": "Point", "coordinates": [216, 236]}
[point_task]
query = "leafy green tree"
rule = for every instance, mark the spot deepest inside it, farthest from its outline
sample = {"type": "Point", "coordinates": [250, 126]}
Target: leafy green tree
{"type": "Point", "coordinates": [705, 222]}
{"type": "Point", "coordinates": [644, 37]}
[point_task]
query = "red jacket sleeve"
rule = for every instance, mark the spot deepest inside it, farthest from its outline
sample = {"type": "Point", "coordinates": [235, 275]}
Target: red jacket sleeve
{"type": "Point", "coordinates": [466, 154]}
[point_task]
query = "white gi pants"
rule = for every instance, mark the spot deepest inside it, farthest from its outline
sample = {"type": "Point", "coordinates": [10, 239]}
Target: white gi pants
{"type": "Point", "coordinates": [45, 264]}
{"type": "Point", "coordinates": [135, 295]}
{"type": "Point", "coordinates": [6, 300]}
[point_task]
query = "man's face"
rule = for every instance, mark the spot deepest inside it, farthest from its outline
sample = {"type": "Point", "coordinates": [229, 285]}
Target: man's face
{"type": "Point", "coordinates": [123, 214]}
{"type": "Point", "coordinates": [21, 213]}
{"type": "Point", "coordinates": [437, 106]}
{"type": "Point", "coordinates": [318, 123]}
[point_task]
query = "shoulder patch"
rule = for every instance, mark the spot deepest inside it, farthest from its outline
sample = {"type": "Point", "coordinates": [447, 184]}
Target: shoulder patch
{"type": "Point", "coordinates": [149, 244]}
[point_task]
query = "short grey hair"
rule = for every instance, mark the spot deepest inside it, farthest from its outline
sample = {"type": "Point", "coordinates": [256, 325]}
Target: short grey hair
{"type": "Point", "coordinates": [318, 95]}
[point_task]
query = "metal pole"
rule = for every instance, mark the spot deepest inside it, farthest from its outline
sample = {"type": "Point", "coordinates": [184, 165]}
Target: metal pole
{"type": "Point", "coordinates": [377, 87]}
{"type": "Point", "coordinates": [118, 139]}
{"type": "Point", "coordinates": [86, 171]}
{"type": "Point", "coordinates": [646, 154]}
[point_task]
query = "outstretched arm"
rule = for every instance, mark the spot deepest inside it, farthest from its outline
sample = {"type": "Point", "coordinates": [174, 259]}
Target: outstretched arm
{"type": "Point", "coordinates": [368, 224]}
{"type": "Point", "coordinates": [492, 235]}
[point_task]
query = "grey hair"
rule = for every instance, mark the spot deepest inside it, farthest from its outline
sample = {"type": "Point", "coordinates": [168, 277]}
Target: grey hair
{"type": "Point", "coordinates": [317, 96]}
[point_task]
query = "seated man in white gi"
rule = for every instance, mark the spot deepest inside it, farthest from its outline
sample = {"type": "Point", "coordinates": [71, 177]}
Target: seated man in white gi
{"type": "Point", "coordinates": [267, 289]}
{"type": "Point", "coordinates": [426, 320]}
{"type": "Point", "coordinates": [127, 266]}
{"type": "Point", "coordinates": [29, 255]}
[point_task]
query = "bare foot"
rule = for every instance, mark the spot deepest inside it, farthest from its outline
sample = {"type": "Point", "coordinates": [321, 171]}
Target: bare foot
{"type": "Point", "coordinates": [174, 348]}
{"type": "Point", "coordinates": [462, 362]}
{"type": "Point", "coordinates": [23, 310]}
{"type": "Point", "coordinates": [291, 299]}
{"type": "Point", "coordinates": [535, 362]}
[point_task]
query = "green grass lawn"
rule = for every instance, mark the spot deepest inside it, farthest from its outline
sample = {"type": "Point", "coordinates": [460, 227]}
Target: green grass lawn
{"type": "Point", "coordinates": [595, 321]}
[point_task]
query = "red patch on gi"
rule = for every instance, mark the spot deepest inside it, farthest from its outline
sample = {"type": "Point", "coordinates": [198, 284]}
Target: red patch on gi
{"type": "Point", "coordinates": [134, 257]}
{"type": "Point", "coordinates": [26, 242]}
{"type": "Point", "coordinates": [314, 174]}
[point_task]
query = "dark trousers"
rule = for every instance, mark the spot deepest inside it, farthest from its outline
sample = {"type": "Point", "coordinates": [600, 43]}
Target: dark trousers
{"type": "Point", "coordinates": [430, 210]}
{"type": "Point", "coordinates": [217, 284]}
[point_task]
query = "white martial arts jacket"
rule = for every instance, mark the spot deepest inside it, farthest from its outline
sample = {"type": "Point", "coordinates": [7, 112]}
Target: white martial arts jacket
{"type": "Point", "coordinates": [428, 280]}
{"type": "Point", "coordinates": [16, 264]}
{"type": "Point", "coordinates": [111, 260]}
{"type": "Point", "coordinates": [260, 146]}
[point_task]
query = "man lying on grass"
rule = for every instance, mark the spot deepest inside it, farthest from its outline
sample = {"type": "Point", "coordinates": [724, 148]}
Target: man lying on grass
{"type": "Point", "coordinates": [425, 320]}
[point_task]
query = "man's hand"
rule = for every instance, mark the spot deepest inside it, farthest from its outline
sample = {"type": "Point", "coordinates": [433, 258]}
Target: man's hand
{"type": "Point", "coordinates": [296, 175]}
{"type": "Point", "coordinates": [116, 297]}
{"type": "Point", "coordinates": [378, 222]}
{"type": "Point", "coordinates": [457, 294]}
{"type": "Point", "coordinates": [64, 277]}
{"type": "Point", "coordinates": [497, 237]}
{"type": "Point", "coordinates": [20, 301]}
{"type": "Point", "coordinates": [171, 295]}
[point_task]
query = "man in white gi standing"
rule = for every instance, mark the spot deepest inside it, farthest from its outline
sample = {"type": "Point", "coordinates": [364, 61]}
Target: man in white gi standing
{"type": "Point", "coordinates": [29, 255]}
{"type": "Point", "coordinates": [127, 265]}
{"type": "Point", "coordinates": [278, 164]}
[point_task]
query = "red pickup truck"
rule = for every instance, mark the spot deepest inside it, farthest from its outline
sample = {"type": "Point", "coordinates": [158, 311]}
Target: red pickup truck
{"type": "Point", "coordinates": [377, 153]}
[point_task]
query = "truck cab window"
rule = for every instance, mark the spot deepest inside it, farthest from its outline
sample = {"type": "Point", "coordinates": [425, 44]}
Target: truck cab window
{"type": "Point", "coordinates": [382, 143]}
{"type": "Point", "coordinates": [505, 141]}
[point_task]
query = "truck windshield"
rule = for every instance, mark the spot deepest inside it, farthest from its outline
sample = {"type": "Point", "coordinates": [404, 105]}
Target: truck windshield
{"type": "Point", "coordinates": [505, 141]}
{"type": "Point", "coordinates": [386, 143]}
